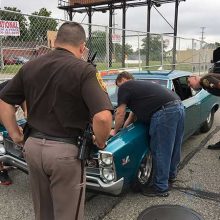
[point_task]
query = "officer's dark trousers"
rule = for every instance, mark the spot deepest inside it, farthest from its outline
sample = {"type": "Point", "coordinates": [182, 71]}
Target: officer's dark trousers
{"type": "Point", "coordinates": [55, 176]}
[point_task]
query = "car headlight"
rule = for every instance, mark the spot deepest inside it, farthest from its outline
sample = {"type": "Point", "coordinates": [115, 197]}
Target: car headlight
{"type": "Point", "coordinates": [107, 174]}
{"type": "Point", "coordinates": [105, 158]}
{"type": "Point", "coordinates": [2, 149]}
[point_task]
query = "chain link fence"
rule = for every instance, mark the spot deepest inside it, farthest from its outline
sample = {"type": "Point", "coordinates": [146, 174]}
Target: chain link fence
{"type": "Point", "coordinates": [141, 50]}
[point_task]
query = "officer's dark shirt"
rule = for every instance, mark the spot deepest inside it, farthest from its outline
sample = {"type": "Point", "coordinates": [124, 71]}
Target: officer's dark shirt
{"type": "Point", "coordinates": [62, 93]}
{"type": "Point", "coordinates": [206, 83]}
{"type": "Point", "coordinates": [3, 84]}
{"type": "Point", "coordinates": [144, 98]}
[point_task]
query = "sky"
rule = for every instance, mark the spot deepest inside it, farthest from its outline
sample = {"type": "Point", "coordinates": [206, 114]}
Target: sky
{"type": "Point", "coordinates": [193, 15]}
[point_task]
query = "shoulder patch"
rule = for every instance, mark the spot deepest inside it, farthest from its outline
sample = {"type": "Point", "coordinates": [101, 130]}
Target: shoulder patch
{"type": "Point", "coordinates": [101, 82]}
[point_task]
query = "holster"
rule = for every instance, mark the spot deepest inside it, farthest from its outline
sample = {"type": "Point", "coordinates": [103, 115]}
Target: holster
{"type": "Point", "coordinates": [26, 131]}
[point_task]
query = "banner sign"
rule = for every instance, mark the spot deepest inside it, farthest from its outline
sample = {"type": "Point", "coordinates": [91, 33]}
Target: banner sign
{"type": "Point", "coordinates": [116, 38]}
{"type": "Point", "coordinates": [9, 28]}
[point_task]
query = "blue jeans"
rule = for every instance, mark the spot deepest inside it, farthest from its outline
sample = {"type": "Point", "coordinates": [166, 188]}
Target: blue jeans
{"type": "Point", "coordinates": [166, 134]}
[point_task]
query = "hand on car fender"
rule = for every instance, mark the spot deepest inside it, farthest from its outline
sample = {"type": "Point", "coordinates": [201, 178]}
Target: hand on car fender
{"type": "Point", "coordinates": [96, 144]}
{"type": "Point", "coordinates": [112, 132]}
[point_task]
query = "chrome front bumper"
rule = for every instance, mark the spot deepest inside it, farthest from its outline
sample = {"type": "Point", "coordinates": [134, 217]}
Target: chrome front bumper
{"type": "Point", "coordinates": [95, 183]}
{"type": "Point", "coordinates": [14, 162]}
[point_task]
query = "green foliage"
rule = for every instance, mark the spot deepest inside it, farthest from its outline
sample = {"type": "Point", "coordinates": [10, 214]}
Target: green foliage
{"type": "Point", "coordinates": [11, 16]}
{"type": "Point", "coordinates": [155, 47]}
{"type": "Point", "coordinates": [118, 51]}
{"type": "Point", "coordinates": [98, 43]}
{"type": "Point", "coordinates": [217, 44]}
{"type": "Point", "coordinates": [39, 26]}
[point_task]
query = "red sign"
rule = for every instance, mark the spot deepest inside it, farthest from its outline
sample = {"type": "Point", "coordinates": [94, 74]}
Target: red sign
{"type": "Point", "coordinates": [116, 38]}
{"type": "Point", "coordinates": [9, 28]}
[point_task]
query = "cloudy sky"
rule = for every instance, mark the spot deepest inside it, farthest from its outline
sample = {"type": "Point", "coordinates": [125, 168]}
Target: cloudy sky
{"type": "Point", "coordinates": [193, 14]}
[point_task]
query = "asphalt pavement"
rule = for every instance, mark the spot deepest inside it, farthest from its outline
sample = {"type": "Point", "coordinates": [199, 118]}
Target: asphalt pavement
{"type": "Point", "coordinates": [197, 188]}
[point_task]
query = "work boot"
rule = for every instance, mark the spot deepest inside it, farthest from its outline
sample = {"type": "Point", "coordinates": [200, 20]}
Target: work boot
{"type": "Point", "coordinates": [4, 178]}
{"type": "Point", "coordinates": [215, 146]}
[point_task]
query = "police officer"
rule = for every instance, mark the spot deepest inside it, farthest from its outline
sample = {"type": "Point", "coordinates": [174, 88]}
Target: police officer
{"type": "Point", "coordinates": [63, 93]}
{"type": "Point", "coordinates": [211, 83]}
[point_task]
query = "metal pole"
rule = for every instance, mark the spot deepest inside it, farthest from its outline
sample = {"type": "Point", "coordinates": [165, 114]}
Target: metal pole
{"type": "Point", "coordinates": [123, 33]}
{"type": "Point", "coordinates": [162, 51]}
{"type": "Point", "coordinates": [107, 47]}
{"type": "Point", "coordinates": [90, 30]}
{"type": "Point", "coordinates": [1, 50]}
{"type": "Point", "coordinates": [175, 33]}
{"type": "Point", "coordinates": [139, 52]}
{"type": "Point", "coordinates": [70, 14]}
{"type": "Point", "coordinates": [192, 55]}
{"type": "Point", "coordinates": [110, 35]}
{"type": "Point", "coordinates": [149, 5]}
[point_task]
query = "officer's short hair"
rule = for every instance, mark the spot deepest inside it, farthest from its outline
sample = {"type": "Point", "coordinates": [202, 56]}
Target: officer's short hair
{"type": "Point", "coordinates": [71, 33]}
{"type": "Point", "coordinates": [123, 75]}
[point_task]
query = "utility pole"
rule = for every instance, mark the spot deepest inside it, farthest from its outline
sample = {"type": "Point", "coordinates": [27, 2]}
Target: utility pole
{"type": "Point", "coordinates": [202, 37]}
{"type": "Point", "coordinates": [201, 47]}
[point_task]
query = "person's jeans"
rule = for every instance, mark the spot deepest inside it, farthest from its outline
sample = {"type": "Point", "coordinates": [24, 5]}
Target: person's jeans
{"type": "Point", "coordinates": [166, 134]}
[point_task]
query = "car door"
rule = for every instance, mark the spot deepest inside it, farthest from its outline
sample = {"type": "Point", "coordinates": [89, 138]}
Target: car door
{"type": "Point", "coordinates": [191, 104]}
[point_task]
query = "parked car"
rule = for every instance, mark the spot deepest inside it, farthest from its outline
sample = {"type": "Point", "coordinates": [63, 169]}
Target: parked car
{"type": "Point", "coordinates": [21, 59]}
{"type": "Point", "coordinates": [126, 160]}
{"type": "Point", "coordinates": [9, 60]}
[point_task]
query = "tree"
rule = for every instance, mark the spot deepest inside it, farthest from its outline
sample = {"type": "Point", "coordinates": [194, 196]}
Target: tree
{"type": "Point", "coordinates": [155, 47]}
{"type": "Point", "coordinates": [118, 51]}
{"type": "Point", "coordinates": [98, 43]}
{"type": "Point", "coordinates": [11, 16]}
{"type": "Point", "coordinates": [217, 44]}
{"type": "Point", "coordinates": [39, 26]}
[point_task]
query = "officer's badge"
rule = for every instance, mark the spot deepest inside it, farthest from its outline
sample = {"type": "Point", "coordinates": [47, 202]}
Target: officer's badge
{"type": "Point", "coordinates": [206, 83]}
{"type": "Point", "coordinates": [101, 83]}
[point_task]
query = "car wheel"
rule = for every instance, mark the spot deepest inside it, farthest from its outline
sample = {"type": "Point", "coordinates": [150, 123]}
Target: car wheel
{"type": "Point", "coordinates": [144, 174]}
{"type": "Point", "coordinates": [207, 125]}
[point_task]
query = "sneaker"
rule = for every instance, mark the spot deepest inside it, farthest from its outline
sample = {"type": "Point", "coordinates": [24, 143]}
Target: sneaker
{"type": "Point", "coordinates": [215, 146]}
{"type": "Point", "coordinates": [4, 178]}
{"type": "Point", "coordinates": [152, 192]}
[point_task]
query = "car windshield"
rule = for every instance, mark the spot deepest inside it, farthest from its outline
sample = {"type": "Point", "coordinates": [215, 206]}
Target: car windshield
{"type": "Point", "coordinates": [112, 89]}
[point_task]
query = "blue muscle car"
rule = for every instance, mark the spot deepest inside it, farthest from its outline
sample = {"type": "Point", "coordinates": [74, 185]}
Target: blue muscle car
{"type": "Point", "coordinates": [127, 161]}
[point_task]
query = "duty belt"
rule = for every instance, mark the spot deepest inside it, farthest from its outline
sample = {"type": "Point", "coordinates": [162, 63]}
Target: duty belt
{"type": "Point", "coordinates": [38, 134]}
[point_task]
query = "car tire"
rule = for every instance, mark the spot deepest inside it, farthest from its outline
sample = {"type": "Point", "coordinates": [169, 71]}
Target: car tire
{"type": "Point", "coordinates": [207, 125]}
{"type": "Point", "coordinates": [144, 174]}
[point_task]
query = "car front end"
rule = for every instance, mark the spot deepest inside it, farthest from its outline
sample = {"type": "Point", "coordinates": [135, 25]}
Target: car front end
{"type": "Point", "coordinates": [101, 173]}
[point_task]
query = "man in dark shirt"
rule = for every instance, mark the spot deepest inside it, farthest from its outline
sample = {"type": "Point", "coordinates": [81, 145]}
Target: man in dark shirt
{"type": "Point", "coordinates": [162, 109]}
{"type": "Point", "coordinates": [63, 94]}
{"type": "Point", "coordinates": [211, 83]}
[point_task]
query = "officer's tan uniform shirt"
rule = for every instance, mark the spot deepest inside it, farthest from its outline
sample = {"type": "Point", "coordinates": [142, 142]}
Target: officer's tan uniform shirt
{"type": "Point", "coordinates": [62, 93]}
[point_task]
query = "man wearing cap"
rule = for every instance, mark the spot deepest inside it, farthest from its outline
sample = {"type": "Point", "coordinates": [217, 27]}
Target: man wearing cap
{"type": "Point", "coordinates": [211, 83]}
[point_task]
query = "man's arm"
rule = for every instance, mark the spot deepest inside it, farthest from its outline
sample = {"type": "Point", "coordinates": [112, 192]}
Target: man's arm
{"type": "Point", "coordinates": [210, 81]}
{"type": "Point", "coordinates": [119, 119]}
{"type": "Point", "coordinates": [7, 116]}
{"type": "Point", "coordinates": [129, 120]}
{"type": "Point", "coordinates": [102, 123]}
